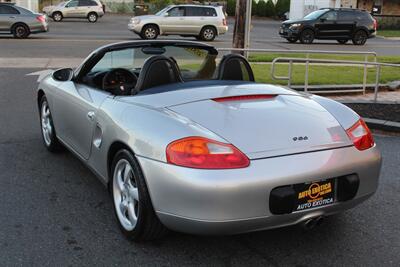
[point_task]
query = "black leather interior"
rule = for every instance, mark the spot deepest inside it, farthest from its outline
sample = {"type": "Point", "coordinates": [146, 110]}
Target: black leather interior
{"type": "Point", "coordinates": [235, 67]}
{"type": "Point", "coordinates": [157, 70]}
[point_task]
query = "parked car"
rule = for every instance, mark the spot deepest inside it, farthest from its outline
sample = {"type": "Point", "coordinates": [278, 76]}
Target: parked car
{"type": "Point", "coordinates": [88, 9]}
{"type": "Point", "coordinates": [342, 24]}
{"type": "Point", "coordinates": [202, 22]}
{"type": "Point", "coordinates": [188, 142]}
{"type": "Point", "coordinates": [21, 22]}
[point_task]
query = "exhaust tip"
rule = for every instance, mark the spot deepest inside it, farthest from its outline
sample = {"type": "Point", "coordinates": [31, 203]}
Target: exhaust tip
{"type": "Point", "coordinates": [313, 222]}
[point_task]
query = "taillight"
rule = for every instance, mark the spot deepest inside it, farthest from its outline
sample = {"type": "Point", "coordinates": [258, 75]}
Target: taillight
{"type": "Point", "coordinates": [41, 18]}
{"type": "Point", "coordinates": [224, 22]}
{"type": "Point", "coordinates": [203, 153]}
{"type": "Point", "coordinates": [243, 98]}
{"type": "Point", "coordinates": [375, 24]}
{"type": "Point", "coordinates": [360, 135]}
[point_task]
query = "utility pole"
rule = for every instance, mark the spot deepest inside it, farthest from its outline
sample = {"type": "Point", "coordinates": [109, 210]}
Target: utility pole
{"type": "Point", "coordinates": [241, 32]}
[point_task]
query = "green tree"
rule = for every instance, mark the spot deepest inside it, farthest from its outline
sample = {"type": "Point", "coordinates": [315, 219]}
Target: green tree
{"type": "Point", "coordinates": [282, 6]}
{"type": "Point", "coordinates": [231, 7]}
{"type": "Point", "coordinates": [270, 9]}
{"type": "Point", "coordinates": [160, 4]}
{"type": "Point", "coordinates": [261, 8]}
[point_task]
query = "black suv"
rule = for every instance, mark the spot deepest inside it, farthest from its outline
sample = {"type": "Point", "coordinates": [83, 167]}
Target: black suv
{"type": "Point", "coordinates": [341, 24]}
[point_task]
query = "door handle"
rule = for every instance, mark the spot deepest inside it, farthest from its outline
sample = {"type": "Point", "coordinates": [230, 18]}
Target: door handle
{"type": "Point", "coordinates": [12, 17]}
{"type": "Point", "coordinates": [91, 115]}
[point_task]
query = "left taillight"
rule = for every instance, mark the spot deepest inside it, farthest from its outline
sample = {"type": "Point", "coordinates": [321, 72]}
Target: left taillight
{"type": "Point", "coordinates": [224, 22]}
{"type": "Point", "coordinates": [375, 24]}
{"type": "Point", "coordinates": [41, 18]}
{"type": "Point", "coordinates": [361, 135]}
{"type": "Point", "coordinates": [204, 153]}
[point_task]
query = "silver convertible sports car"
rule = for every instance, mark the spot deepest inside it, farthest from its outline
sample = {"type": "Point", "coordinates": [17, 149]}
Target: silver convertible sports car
{"type": "Point", "coordinates": [186, 140]}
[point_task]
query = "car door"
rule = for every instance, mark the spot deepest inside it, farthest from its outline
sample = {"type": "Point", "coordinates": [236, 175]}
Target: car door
{"type": "Point", "coordinates": [75, 108]}
{"type": "Point", "coordinates": [8, 16]}
{"type": "Point", "coordinates": [174, 20]}
{"type": "Point", "coordinates": [194, 19]}
{"type": "Point", "coordinates": [71, 9]}
{"type": "Point", "coordinates": [83, 8]}
{"type": "Point", "coordinates": [347, 21]}
{"type": "Point", "coordinates": [326, 26]}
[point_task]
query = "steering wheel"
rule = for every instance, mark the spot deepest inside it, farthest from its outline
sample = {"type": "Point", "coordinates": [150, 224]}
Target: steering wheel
{"type": "Point", "coordinates": [119, 81]}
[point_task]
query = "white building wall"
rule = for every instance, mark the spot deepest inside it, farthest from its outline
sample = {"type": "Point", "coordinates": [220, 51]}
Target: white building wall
{"type": "Point", "coordinates": [301, 8]}
{"type": "Point", "coordinates": [29, 4]}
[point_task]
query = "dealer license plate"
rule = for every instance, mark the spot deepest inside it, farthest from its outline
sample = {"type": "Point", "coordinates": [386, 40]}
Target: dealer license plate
{"type": "Point", "coordinates": [315, 194]}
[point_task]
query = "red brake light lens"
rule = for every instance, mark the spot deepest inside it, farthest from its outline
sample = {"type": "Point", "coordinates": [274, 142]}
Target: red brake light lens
{"type": "Point", "coordinates": [243, 98]}
{"type": "Point", "coordinates": [224, 22]}
{"type": "Point", "coordinates": [375, 24]}
{"type": "Point", "coordinates": [203, 153]}
{"type": "Point", "coordinates": [361, 136]}
{"type": "Point", "coordinates": [41, 18]}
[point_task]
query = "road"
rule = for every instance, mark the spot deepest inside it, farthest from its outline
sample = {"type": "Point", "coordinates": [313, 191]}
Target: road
{"type": "Point", "coordinates": [77, 38]}
{"type": "Point", "coordinates": [54, 212]}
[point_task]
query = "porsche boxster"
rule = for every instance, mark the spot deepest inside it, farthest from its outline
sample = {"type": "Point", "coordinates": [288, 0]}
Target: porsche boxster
{"type": "Point", "coordinates": [186, 140]}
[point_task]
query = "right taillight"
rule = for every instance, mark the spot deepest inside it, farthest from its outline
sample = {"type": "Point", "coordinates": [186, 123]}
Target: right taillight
{"type": "Point", "coordinates": [361, 135]}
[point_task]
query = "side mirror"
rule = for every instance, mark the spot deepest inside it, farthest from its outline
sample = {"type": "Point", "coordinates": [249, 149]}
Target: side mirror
{"type": "Point", "coordinates": [63, 75]}
{"type": "Point", "coordinates": [166, 14]}
{"type": "Point", "coordinates": [322, 19]}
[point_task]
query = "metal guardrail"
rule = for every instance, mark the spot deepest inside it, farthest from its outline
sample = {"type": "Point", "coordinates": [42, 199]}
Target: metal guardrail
{"type": "Point", "coordinates": [308, 60]}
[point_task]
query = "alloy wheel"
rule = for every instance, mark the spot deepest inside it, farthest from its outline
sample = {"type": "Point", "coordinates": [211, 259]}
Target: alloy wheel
{"type": "Point", "coordinates": [126, 195]}
{"type": "Point", "coordinates": [150, 33]}
{"type": "Point", "coordinates": [208, 34]}
{"type": "Point", "coordinates": [47, 128]}
{"type": "Point", "coordinates": [360, 38]}
{"type": "Point", "coordinates": [20, 31]}
{"type": "Point", "coordinates": [92, 18]}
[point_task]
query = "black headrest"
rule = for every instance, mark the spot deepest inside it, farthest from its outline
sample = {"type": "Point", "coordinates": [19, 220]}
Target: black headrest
{"type": "Point", "coordinates": [235, 67]}
{"type": "Point", "coordinates": [157, 70]}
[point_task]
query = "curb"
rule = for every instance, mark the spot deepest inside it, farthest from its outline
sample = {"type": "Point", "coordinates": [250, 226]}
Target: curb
{"type": "Point", "coordinates": [383, 125]}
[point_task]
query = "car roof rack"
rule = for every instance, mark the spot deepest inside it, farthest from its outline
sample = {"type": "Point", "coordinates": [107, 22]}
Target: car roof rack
{"type": "Point", "coordinates": [342, 8]}
{"type": "Point", "coordinates": [7, 3]}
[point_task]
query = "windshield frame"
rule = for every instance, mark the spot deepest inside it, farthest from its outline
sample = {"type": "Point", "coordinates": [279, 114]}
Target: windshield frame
{"type": "Point", "coordinates": [164, 10]}
{"type": "Point", "coordinates": [98, 54]}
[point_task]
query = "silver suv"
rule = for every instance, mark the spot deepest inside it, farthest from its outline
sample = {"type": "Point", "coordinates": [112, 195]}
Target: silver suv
{"type": "Point", "coordinates": [202, 22]}
{"type": "Point", "coordinates": [89, 9]}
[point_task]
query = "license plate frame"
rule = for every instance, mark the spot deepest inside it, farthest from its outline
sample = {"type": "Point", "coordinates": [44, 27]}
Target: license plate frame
{"type": "Point", "coordinates": [315, 194]}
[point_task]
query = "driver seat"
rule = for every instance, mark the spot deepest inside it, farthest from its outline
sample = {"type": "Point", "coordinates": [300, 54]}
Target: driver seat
{"type": "Point", "coordinates": [157, 70]}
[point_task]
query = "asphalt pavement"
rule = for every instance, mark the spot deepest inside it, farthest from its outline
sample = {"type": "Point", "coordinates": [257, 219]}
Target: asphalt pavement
{"type": "Point", "coordinates": [54, 211]}
{"type": "Point", "coordinates": [77, 38]}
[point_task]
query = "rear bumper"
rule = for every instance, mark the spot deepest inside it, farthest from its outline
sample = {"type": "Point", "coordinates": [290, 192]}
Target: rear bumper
{"type": "Point", "coordinates": [236, 201]}
{"type": "Point", "coordinates": [39, 28]}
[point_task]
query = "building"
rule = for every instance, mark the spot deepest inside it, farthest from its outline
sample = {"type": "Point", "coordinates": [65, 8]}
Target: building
{"type": "Point", "coordinates": [300, 8]}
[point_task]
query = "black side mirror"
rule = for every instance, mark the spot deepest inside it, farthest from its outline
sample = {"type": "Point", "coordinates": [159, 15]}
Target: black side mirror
{"type": "Point", "coordinates": [63, 75]}
{"type": "Point", "coordinates": [322, 19]}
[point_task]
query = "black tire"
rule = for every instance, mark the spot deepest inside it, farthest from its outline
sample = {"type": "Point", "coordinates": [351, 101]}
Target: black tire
{"type": "Point", "coordinates": [292, 39]}
{"type": "Point", "coordinates": [57, 16]}
{"type": "Point", "coordinates": [20, 31]}
{"type": "Point", "coordinates": [92, 17]}
{"type": "Point", "coordinates": [342, 41]}
{"type": "Point", "coordinates": [360, 37]}
{"type": "Point", "coordinates": [307, 36]}
{"type": "Point", "coordinates": [208, 34]}
{"type": "Point", "coordinates": [147, 226]}
{"type": "Point", "coordinates": [150, 32]}
{"type": "Point", "coordinates": [51, 143]}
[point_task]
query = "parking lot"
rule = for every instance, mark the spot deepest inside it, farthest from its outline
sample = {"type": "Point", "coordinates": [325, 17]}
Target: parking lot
{"type": "Point", "coordinates": [54, 211]}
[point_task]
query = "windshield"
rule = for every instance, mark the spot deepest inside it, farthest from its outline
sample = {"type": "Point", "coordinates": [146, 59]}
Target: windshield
{"type": "Point", "coordinates": [162, 11]}
{"type": "Point", "coordinates": [61, 4]}
{"type": "Point", "coordinates": [315, 14]}
{"type": "Point", "coordinates": [194, 63]}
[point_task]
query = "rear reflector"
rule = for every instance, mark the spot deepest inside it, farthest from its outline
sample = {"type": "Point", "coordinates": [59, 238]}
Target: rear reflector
{"type": "Point", "coordinates": [41, 18]}
{"type": "Point", "coordinates": [360, 135]}
{"type": "Point", "coordinates": [243, 98]}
